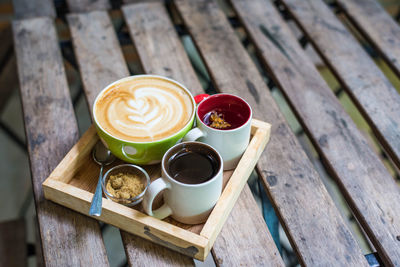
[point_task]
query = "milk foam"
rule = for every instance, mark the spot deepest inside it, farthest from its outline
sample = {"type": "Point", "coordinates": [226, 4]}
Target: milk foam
{"type": "Point", "coordinates": [143, 109]}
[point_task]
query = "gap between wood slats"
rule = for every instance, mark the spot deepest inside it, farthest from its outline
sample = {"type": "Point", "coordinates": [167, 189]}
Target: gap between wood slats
{"type": "Point", "coordinates": [51, 131]}
{"type": "Point", "coordinates": [112, 240]}
{"type": "Point", "coordinates": [329, 183]}
{"type": "Point", "coordinates": [331, 186]}
{"type": "Point", "coordinates": [359, 75]}
{"type": "Point", "coordinates": [150, 26]}
{"type": "Point", "coordinates": [377, 26]}
{"type": "Point", "coordinates": [101, 62]}
{"type": "Point", "coordinates": [389, 71]}
{"type": "Point", "coordinates": [389, 204]}
{"type": "Point", "coordinates": [377, 208]}
{"type": "Point", "coordinates": [290, 117]}
{"type": "Point", "coordinates": [358, 118]}
{"type": "Point", "coordinates": [204, 21]}
{"type": "Point", "coordinates": [346, 100]}
{"type": "Point", "coordinates": [353, 109]}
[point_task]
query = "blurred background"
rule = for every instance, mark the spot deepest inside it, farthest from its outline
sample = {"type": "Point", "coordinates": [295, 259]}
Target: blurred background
{"type": "Point", "coordinates": [16, 196]}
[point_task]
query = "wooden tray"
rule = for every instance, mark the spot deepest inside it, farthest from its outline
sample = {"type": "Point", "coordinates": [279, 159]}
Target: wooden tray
{"type": "Point", "coordinates": [74, 180]}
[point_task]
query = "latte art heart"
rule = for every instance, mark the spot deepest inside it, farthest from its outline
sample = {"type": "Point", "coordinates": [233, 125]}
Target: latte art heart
{"type": "Point", "coordinates": [143, 109]}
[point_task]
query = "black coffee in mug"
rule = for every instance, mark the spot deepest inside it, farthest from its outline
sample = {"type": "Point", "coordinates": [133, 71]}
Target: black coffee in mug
{"type": "Point", "coordinates": [192, 166]}
{"type": "Point", "coordinates": [191, 183]}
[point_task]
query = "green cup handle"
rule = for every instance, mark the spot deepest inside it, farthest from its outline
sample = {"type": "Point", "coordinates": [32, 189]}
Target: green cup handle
{"type": "Point", "coordinates": [131, 153]}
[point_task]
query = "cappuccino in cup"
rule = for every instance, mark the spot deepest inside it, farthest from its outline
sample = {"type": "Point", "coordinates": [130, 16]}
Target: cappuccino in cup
{"type": "Point", "coordinates": [143, 109]}
{"type": "Point", "coordinates": [140, 117]}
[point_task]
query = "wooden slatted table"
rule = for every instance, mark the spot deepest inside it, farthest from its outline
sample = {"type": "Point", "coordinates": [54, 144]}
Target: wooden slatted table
{"type": "Point", "coordinates": [315, 228]}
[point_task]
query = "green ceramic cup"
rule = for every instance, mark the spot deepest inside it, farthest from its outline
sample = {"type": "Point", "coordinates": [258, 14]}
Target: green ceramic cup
{"type": "Point", "coordinates": [142, 153]}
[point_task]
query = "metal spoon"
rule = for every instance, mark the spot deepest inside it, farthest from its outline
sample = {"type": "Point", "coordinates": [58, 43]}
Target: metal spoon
{"type": "Point", "coordinates": [102, 156]}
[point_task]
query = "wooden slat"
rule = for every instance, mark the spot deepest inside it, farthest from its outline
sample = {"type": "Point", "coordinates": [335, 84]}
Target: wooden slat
{"type": "Point", "coordinates": [141, 252]}
{"type": "Point", "coordinates": [51, 130]}
{"type": "Point", "coordinates": [78, 6]}
{"type": "Point", "coordinates": [101, 62]}
{"type": "Point", "coordinates": [302, 202]}
{"type": "Point", "coordinates": [24, 9]}
{"type": "Point", "coordinates": [378, 26]}
{"type": "Point", "coordinates": [376, 202]}
{"type": "Point", "coordinates": [139, 1]}
{"type": "Point", "coordinates": [244, 239]}
{"type": "Point", "coordinates": [100, 58]}
{"type": "Point", "coordinates": [159, 48]}
{"type": "Point", "coordinates": [13, 243]}
{"type": "Point", "coordinates": [377, 99]}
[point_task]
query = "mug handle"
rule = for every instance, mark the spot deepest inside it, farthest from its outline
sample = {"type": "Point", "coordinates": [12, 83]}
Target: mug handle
{"type": "Point", "coordinates": [193, 135]}
{"type": "Point", "coordinates": [196, 133]}
{"type": "Point", "coordinates": [131, 155]}
{"type": "Point", "coordinates": [201, 97]}
{"type": "Point", "coordinates": [154, 189]}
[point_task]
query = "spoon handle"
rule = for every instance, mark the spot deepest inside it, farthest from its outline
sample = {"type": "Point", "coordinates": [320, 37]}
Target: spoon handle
{"type": "Point", "coordinates": [95, 207]}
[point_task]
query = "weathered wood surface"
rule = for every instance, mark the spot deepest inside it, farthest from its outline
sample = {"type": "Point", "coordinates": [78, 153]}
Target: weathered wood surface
{"type": "Point", "coordinates": [80, 6]}
{"type": "Point", "coordinates": [99, 56]}
{"type": "Point", "coordinates": [101, 62]}
{"type": "Point", "coordinates": [24, 9]}
{"type": "Point", "coordinates": [377, 99]}
{"type": "Point", "coordinates": [370, 190]}
{"type": "Point", "coordinates": [140, 1]}
{"type": "Point", "coordinates": [244, 239]}
{"type": "Point", "coordinates": [141, 252]}
{"type": "Point", "coordinates": [13, 250]}
{"type": "Point", "coordinates": [302, 202]}
{"type": "Point", "coordinates": [371, 19]}
{"type": "Point", "coordinates": [51, 130]}
{"type": "Point", "coordinates": [158, 45]}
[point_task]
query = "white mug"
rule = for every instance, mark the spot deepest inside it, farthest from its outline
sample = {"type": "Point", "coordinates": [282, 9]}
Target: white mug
{"type": "Point", "coordinates": [231, 142]}
{"type": "Point", "coordinates": [187, 201]}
